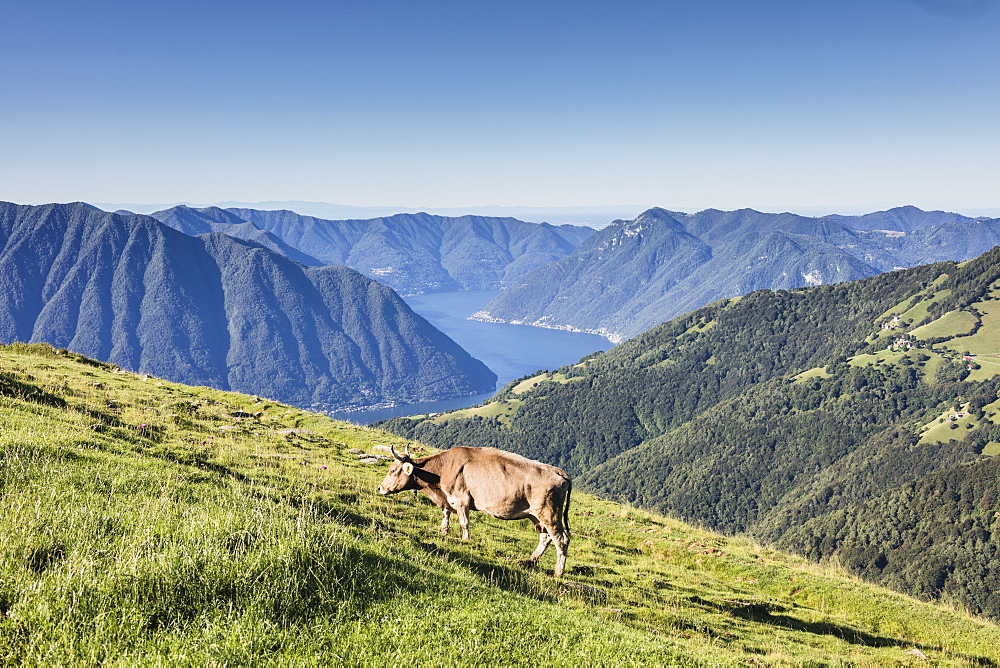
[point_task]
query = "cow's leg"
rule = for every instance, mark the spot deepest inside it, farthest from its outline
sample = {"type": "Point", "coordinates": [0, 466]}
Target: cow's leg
{"type": "Point", "coordinates": [543, 542]}
{"type": "Point", "coordinates": [445, 522]}
{"type": "Point", "coordinates": [561, 539]}
{"type": "Point", "coordinates": [463, 518]}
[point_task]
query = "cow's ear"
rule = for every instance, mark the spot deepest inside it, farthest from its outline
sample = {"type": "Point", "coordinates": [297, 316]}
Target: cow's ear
{"type": "Point", "coordinates": [408, 468]}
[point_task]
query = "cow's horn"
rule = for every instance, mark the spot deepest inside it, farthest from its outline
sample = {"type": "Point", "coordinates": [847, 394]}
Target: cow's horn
{"type": "Point", "coordinates": [395, 454]}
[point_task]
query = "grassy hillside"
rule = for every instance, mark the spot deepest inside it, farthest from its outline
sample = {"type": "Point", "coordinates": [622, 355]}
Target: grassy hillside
{"type": "Point", "coordinates": [148, 522]}
{"type": "Point", "coordinates": [814, 419]}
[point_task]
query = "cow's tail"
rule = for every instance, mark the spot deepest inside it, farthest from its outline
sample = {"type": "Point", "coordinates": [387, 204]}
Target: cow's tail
{"type": "Point", "coordinates": [565, 518]}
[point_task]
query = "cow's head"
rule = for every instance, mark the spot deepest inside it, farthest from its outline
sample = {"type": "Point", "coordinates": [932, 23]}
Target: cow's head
{"type": "Point", "coordinates": [400, 474]}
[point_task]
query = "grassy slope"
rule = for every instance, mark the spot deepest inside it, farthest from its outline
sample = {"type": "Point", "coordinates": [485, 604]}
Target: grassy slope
{"type": "Point", "coordinates": [502, 410]}
{"type": "Point", "coordinates": [957, 327]}
{"type": "Point", "coordinates": [135, 530]}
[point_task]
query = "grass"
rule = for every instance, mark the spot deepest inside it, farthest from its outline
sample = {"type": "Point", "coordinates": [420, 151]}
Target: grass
{"type": "Point", "coordinates": [919, 311]}
{"type": "Point", "coordinates": [956, 424]}
{"type": "Point", "coordinates": [909, 302]}
{"type": "Point", "coordinates": [984, 343]}
{"type": "Point", "coordinates": [144, 523]}
{"type": "Point", "coordinates": [947, 426]}
{"type": "Point", "coordinates": [928, 366]}
{"type": "Point", "coordinates": [528, 384]}
{"type": "Point", "coordinates": [882, 356]}
{"type": "Point", "coordinates": [501, 410]}
{"type": "Point", "coordinates": [700, 327]}
{"type": "Point", "coordinates": [505, 410]}
{"type": "Point", "coordinates": [951, 324]}
{"type": "Point", "coordinates": [987, 339]}
{"type": "Point", "coordinates": [819, 372]}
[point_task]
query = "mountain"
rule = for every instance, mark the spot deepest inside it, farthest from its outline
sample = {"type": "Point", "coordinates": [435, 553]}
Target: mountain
{"type": "Point", "coordinates": [154, 523]}
{"type": "Point", "coordinates": [411, 253]}
{"type": "Point", "coordinates": [776, 260]}
{"type": "Point", "coordinates": [622, 282]}
{"type": "Point", "coordinates": [627, 264]}
{"type": "Point", "coordinates": [589, 216]}
{"type": "Point", "coordinates": [856, 422]}
{"type": "Point", "coordinates": [213, 219]}
{"type": "Point", "coordinates": [217, 311]}
{"type": "Point", "coordinates": [899, 219]}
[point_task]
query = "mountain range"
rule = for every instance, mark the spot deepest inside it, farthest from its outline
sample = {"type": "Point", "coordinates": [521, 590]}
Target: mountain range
{"type": "Point", "coordinates": [633, 275]}
{"type": "Point", "coordinates": [856, 422]}
{"type": "Point", "coordinates": [590, 216]}
{"type": "Point", "coordinates": [216, 310]}
{"type": "Point", "coordinates": [411, 253]}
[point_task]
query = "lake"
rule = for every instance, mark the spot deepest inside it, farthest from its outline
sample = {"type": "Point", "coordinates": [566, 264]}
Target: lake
{"type": "Point", "coordinates": [510, 351]}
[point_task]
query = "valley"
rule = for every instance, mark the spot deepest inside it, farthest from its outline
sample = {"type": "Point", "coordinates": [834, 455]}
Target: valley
{"type": "Point", "coordinates": [510, 351]}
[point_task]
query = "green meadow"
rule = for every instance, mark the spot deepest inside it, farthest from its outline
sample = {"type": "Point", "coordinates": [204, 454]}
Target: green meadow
{"type": "Point", "coordinates": [144, 522]}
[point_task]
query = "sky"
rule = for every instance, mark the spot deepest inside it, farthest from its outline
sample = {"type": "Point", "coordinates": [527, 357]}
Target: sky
{"type": "Point", "coordinates": [813, 106]}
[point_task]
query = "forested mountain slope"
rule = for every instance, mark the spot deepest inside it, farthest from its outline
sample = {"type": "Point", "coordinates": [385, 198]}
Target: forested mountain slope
{"type": "Point", "coordinates": [410, 252]}
{"type": "Point", "coordinates": [217, 311]}
{"type": "Point", "coordinates": [633, 275]}
{"type": "Point", "coordinates": [786, 415]}
{"type": "Point", "coordinates": [609, 272]}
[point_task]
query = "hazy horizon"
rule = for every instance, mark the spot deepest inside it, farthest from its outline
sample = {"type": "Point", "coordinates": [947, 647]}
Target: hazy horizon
{"type": "Point", "coordinates": [595, 215]}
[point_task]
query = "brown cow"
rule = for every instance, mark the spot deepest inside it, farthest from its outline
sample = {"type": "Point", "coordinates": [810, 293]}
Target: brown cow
{"type": "Point", "coordinates": [498, 483]}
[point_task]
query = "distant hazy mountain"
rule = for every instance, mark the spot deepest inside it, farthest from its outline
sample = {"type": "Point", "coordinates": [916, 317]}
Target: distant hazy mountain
{"type": "Point", "coordinates": [214, 310]}
{"type": "Point", "coordinates": [412, 253]}
{"type": "Point", "coordinates": [900, 219]}
{"type": "Point", "coordinates": [591, 216]}
{"type": "Point", "coordinates": [633, 275]}
{"type": "Point", "coordinates": [205, 221]}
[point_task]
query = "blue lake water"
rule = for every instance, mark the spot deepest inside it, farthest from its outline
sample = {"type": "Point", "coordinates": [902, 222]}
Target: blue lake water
{"type": "Point", "coordinates": [511, 351]}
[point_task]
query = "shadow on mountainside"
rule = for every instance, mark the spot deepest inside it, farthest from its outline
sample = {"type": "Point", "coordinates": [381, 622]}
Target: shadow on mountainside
{"type": "Point", "coordinates": [764, 613]}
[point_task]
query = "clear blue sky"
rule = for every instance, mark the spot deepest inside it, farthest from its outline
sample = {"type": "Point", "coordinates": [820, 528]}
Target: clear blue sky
{"type": "Point", "coordinates": [845, 104]}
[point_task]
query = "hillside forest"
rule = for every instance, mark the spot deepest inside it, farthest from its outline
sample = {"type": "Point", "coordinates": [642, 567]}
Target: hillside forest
{"type": "Point", "coordinates": [854, 423]}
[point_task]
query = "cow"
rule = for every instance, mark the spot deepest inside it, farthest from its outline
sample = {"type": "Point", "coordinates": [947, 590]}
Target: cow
{"type": "Point", "coordinates": [498, 483]}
